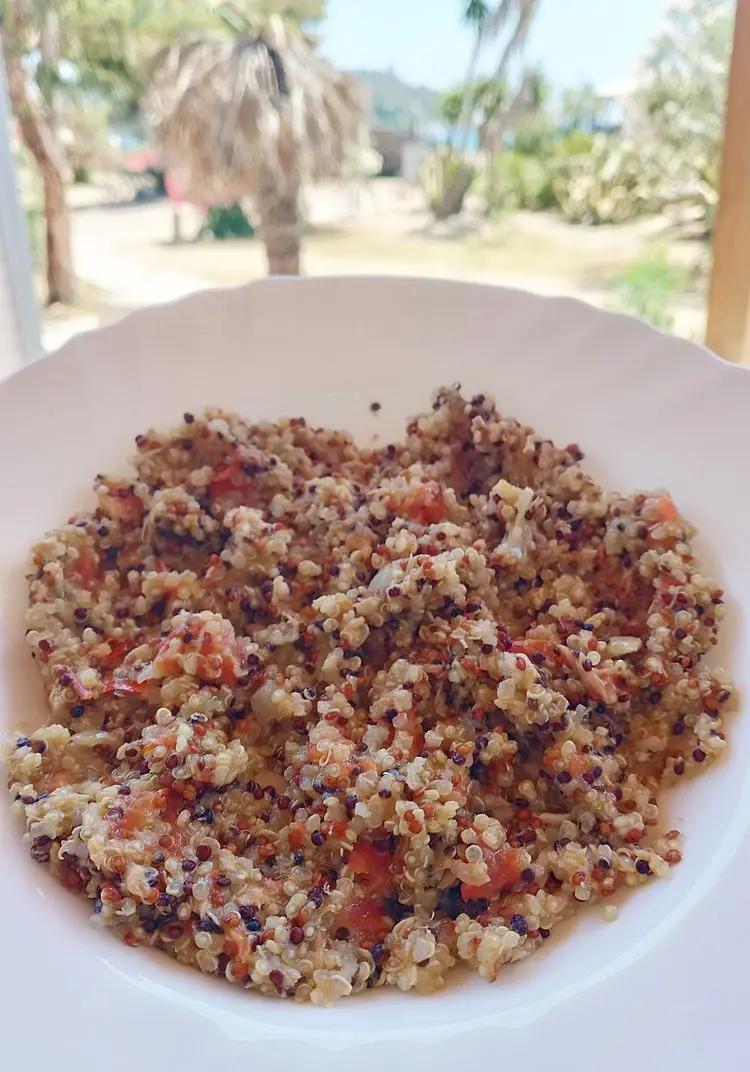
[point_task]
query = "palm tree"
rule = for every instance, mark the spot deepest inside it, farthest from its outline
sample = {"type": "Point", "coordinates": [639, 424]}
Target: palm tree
{"type": "Point", "coordinates": [516, 16]}
{"type": "Point", "coordinates": [449, 176]}
{"type": "Point", "coordinates": [489, 22]}
{"type": "Point", "coordinates": [255, 116]}
{"type": "Point", "coordinates": [475, 15]}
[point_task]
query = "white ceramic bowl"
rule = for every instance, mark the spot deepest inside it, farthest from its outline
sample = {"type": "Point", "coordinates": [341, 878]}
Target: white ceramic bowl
{"type": "Point", "coordinates": [664, 986]}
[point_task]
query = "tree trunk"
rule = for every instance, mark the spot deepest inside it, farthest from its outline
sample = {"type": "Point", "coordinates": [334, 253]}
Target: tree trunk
{"type": "Point", "coordinates": [464, 119]}
{"type": "Point", "coordinates": [280, 219]}
{"type": "Point", "coordinates": [60, 279]}
{"type": "Point", "coordinates": [41, 142]}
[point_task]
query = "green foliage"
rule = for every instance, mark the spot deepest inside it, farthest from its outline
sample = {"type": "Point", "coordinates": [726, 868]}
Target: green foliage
{"type": "Point", "coordinates": [227, 221]}
{"type": "Point", "coordinates": [451, 104]}
{"type": "Point", "coordinates": [446, 179]}
{"type": "Point", "coordinates": [580, 109]}
{"type": "Point", "coordinates": [107, 46]}
{"type": "Point", "coordinates": [476, 12]}
{"type": "Point", "coordinates": [484, 100]}
{"type": "Point", "coordinates": [647, 287]}
{"type": "Point", "coordinates": [574, 143]}
{"type": "Point", "coordinates": [590, 178]}
{"type": "Point", "coordinates": [682, 105]}
{"type": "Point", "coordinates": [535, 136]}
{"type": "Point", "coordinates": [611, 183]}
{"type": "Point", "coordinates": [516, 180]}
{"type": "Point", "coordinates": [673, 155]}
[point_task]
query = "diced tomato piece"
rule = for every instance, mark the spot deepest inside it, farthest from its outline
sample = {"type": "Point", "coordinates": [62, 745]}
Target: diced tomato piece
{"type": "Point", "coordinates": [425, 504]}
{"type": "Point", "coordinates": [504, 870]}
{"type": "Point", "coordinates": [86, 568]}
{"type": "Point", "coordinates": [228, 674]}
{"type": "Point", "coordinates": [125, 507]}
{"type": "Point", "coordinates": [172, 807]}
{"type": "Point", "coordinates": [297, 835]}
{"type": "Point", "coordinates": [666, 509]}
{"type": "Point", "coordinates": [122, 687]}
{"type": "Point", "coordinates": [118, 650]}
{"type": "Point", "coordinates": [366, 920]}
{"type": "Point", "coordinates": [232, 479]}
{"type": "Point", "coordinates": [138, 812]}
{"type": "Point", "coordinates": [223, 481]}
{"type": "Point", "coordinates": [531, 645]}
{"type": "Point", "coordinates": [372, 865]}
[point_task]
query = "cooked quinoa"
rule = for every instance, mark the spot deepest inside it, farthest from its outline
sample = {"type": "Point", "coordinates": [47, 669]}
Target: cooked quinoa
{"type": "Point", "coordinates": [324, 718]}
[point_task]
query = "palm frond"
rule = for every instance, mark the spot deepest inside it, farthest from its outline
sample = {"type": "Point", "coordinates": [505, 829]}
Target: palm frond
{"type": "Point", "coordinates": [232, 116]}
{"type": "Point", "coordinates": [516, 14]}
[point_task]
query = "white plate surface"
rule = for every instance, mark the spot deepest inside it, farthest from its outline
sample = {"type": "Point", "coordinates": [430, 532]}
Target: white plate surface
{"type": "Point", "coordinates": [663, 987]}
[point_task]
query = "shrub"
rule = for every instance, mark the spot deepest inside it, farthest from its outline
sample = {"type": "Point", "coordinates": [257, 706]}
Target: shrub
{"type": "Point", "coordinates": [517, 180]}
{"type": "Point", "coordinates": [647, 286]}
{"type": "Point", "coordinates": [227, 221]}
{"type": "Point", "coordinates": [446, 179]}
{"type": "Point", "coordinates": [612, 183]}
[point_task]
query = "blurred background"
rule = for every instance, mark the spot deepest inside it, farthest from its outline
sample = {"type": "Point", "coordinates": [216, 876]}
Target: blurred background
{"type": "Point", "coordinates": [162, 146]}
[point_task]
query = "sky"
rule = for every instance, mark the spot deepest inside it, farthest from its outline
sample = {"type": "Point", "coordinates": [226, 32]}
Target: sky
{"type": "Point", "coordinates": [574, 41]}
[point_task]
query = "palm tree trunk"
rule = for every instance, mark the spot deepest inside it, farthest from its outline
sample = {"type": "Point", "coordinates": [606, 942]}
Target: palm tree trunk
{"type": "Point", "coordinates": [280, 219]}
{"type": "Point", "coordinates": [39, 138]}
{"type": "Point", "coordinates": [464, 119]}
{"type": "Point", "coordinates": [60, 278]}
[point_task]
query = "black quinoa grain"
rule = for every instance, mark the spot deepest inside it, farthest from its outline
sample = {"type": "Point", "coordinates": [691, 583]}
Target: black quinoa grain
{"type": "Point", "coordinates": [397, 910]}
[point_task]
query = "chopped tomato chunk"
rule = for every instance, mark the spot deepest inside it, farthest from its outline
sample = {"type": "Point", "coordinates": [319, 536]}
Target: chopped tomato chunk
{"type": "Point", "coordinates": [118, 650]}
{"type": "Point", "coordinates": [504, 870]}
{"type": "Point", "coordinates": [122, 687]}
{"type": "Point", "coordinates": [123, 506]}
{"type": "Point", "coordinates": [425, 504]}
{"type": "Point", "coordinates": [666, 509]}
{"type": "Point", "coordinates": [232, 479]}
{"type": "Point", "coordinates": [366, 920]}
{"type": "Point", "coordinates": [372, 865]}
{"type": "Point", "coordinates": [86, 568]}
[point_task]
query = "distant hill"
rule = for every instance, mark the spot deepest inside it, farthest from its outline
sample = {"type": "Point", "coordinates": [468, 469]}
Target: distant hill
{"type": "Point", "coordinates": [395, 105]}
